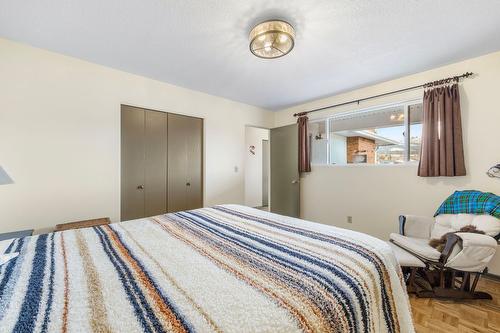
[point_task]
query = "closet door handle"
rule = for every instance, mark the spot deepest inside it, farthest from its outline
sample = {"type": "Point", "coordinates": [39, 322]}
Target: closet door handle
{"type": "Point", "coordinates": [188, 184]}
{"type": "Point", "coordinates": [140, 187]}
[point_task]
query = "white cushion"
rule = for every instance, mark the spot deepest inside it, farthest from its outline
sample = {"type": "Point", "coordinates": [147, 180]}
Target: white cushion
{"type": "Point", "coordinates": [453, 222]}
{"type": "Point", "coordinates": [405, 258]}
{"type": "Point", "coordinates": [477, 251]}
{"type": "Point", "coordinates": [487, 223]}
{"type": "Point", "coordinates": [418, 246]}
{"type": "Point", "coordinates": [418, 226]}
{"type": "Point", "coordinates": [4, 245]}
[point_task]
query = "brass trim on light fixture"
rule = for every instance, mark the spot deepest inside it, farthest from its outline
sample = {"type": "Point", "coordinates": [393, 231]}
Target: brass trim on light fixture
{"type": "Point", "coordinates": [279, 27]}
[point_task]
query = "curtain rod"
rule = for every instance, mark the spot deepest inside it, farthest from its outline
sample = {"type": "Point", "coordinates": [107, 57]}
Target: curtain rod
{"type": "Point", "coordinates": [425, 85]}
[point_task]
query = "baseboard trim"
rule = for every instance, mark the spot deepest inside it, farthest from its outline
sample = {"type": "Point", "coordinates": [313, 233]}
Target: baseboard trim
{"type": "Point", "coordinates": [492, 276]}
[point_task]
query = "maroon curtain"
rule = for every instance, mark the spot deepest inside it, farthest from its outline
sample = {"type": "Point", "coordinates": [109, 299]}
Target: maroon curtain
{"type": "Point", "coordinates": [442, 152]}
{"type": "Point", "coordinates": [304, 156]}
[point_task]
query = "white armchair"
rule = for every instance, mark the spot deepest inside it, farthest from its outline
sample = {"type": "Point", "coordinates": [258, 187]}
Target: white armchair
{"type": "Point", "coordinates": [464, 252]}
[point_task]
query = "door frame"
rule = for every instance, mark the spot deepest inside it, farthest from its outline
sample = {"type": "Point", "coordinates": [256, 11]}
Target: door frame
{"type": "Point", "coordinates": [269, 162]}
{"type": "Point", "coordinates": [267, 168]}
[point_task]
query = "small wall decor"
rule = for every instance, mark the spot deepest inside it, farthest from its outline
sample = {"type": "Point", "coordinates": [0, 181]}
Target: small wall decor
{"type": "Point", "coordinates": [494, 171]}
{"type": "Point", "coordinates": [252, 150]}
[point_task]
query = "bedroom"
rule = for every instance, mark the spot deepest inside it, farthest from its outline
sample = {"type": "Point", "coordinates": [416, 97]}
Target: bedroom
{"type": "Point", "coordinates": [69, 69]}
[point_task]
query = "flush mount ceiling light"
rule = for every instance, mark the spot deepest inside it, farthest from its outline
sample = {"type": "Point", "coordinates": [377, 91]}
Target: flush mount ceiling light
{"type": "Point", "coordinates": [272, 39]}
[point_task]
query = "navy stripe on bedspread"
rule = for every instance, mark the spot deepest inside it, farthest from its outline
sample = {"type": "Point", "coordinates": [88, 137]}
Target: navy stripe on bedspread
{"type": "Point", "coordinates": [366, 254]}
{"type": "Point", "coordinates": [329, 285]}
{"type": "Point", "coordinates": [31, 303]}
{"type": "Point", "coordinates": [221, 269]}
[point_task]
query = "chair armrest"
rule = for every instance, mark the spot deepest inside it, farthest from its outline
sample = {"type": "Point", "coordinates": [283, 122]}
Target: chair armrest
{"type": "Point", "coordinates": [473, 239]}
{"type": "Point", "coordinates": [468, 251]}
{"type": "Point", "coordinates": [415, 226]}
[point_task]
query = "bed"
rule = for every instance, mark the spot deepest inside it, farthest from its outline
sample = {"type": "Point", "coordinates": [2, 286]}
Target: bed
{"type": "Point", "coordinates": [226, 268]}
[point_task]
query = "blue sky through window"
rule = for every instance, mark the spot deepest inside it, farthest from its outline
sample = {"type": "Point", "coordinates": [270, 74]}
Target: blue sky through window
{"type": "Point", "coordinates": [396, 132]}
{"type": "Point", "coordinates": [393, 133]}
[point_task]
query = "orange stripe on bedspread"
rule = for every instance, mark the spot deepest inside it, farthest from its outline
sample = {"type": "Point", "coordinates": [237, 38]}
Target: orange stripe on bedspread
{"type": "Point", "coordinates": [66, 286]}
{"type": "Point", "coordinates": [169, 319]}
{"type": "Point", "coordinates": [296, 313]}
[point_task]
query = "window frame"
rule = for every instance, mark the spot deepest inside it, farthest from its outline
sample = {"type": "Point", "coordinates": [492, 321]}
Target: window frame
{"type": "Point", "coordinates": [358, 111]}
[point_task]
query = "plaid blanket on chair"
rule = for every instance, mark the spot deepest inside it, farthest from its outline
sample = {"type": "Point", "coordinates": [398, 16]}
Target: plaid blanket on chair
{"type": "Point", "coordinates": [471, 202]}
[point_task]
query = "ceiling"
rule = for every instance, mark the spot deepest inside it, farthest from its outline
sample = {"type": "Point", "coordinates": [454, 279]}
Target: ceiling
{"type": "Point", "coordinates": [203, 44]}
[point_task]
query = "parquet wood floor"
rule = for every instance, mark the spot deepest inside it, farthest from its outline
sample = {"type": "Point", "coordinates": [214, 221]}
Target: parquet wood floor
{"type": "Point", "coordinates": [437, 316]}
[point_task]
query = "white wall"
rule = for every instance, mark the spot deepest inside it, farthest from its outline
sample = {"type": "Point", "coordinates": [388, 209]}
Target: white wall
{"type": "Point", "coordinates": [376, 195]}
{"type": "Point", "coordinates": [60, 136]}
{"type": "Point", "coordinates": [253, 165]}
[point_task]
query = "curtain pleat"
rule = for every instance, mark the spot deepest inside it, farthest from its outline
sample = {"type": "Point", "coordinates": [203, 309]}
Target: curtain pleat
{"type": "Point", "coordinates": [304, 154]}
{"type": "Point", "coordinates": [442, 151]}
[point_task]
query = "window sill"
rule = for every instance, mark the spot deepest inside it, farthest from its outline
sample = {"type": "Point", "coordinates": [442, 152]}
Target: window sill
{"type": "Point", "coordinates": [366, 165]}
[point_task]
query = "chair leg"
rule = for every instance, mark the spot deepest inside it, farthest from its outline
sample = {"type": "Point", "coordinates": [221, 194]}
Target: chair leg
{"type": "Point", "coordinates": [465, 282]}
{"type": "Point", "coordinates": [446, 285]}
{"type": "Point", "coordinates": [441, 279]}
{"type": "Point", "coordinates": [467, 290]}
{"type": "Point", "coordinates": [474, 283]}
{"type": "Point", "coordinates": [411, 280]}
{"type": "Point", "coordinates": [453, 276]}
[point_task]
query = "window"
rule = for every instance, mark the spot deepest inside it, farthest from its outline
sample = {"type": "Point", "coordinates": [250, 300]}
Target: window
{"type": "Point", "coordinates": [384, 135]}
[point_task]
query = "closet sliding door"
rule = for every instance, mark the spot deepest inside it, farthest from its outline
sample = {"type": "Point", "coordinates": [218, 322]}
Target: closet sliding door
{"type": "Point", "coordinates": [161, 163]}
{"type": "Point", "coordinates": [155, 166]}
{"type": "Point", "coordinates": [144, 163]}
{"type": "Point", "coordinates": [132, 163]}
{"type": "Point", "coordinates": [185, 153]}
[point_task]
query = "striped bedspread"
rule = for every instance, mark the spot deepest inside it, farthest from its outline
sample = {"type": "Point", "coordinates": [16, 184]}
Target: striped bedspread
{"type": "Point", "coordinates": [223, 269]}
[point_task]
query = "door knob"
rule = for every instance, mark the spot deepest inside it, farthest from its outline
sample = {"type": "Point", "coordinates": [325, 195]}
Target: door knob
{"type": "Point", "coordinates": [295, 181]}
{"type": "Point", "coordinates": [188, 184]}
{"type": "Point", "coordinates": [140, 187]}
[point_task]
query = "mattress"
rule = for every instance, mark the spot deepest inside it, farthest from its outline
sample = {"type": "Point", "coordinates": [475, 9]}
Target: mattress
{"type": "Point", "coordinates": [226, 268]}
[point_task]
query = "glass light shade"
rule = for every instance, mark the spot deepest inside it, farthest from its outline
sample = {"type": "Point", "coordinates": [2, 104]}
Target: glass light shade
{"type": "Point", "coordinates": [272, 39]}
